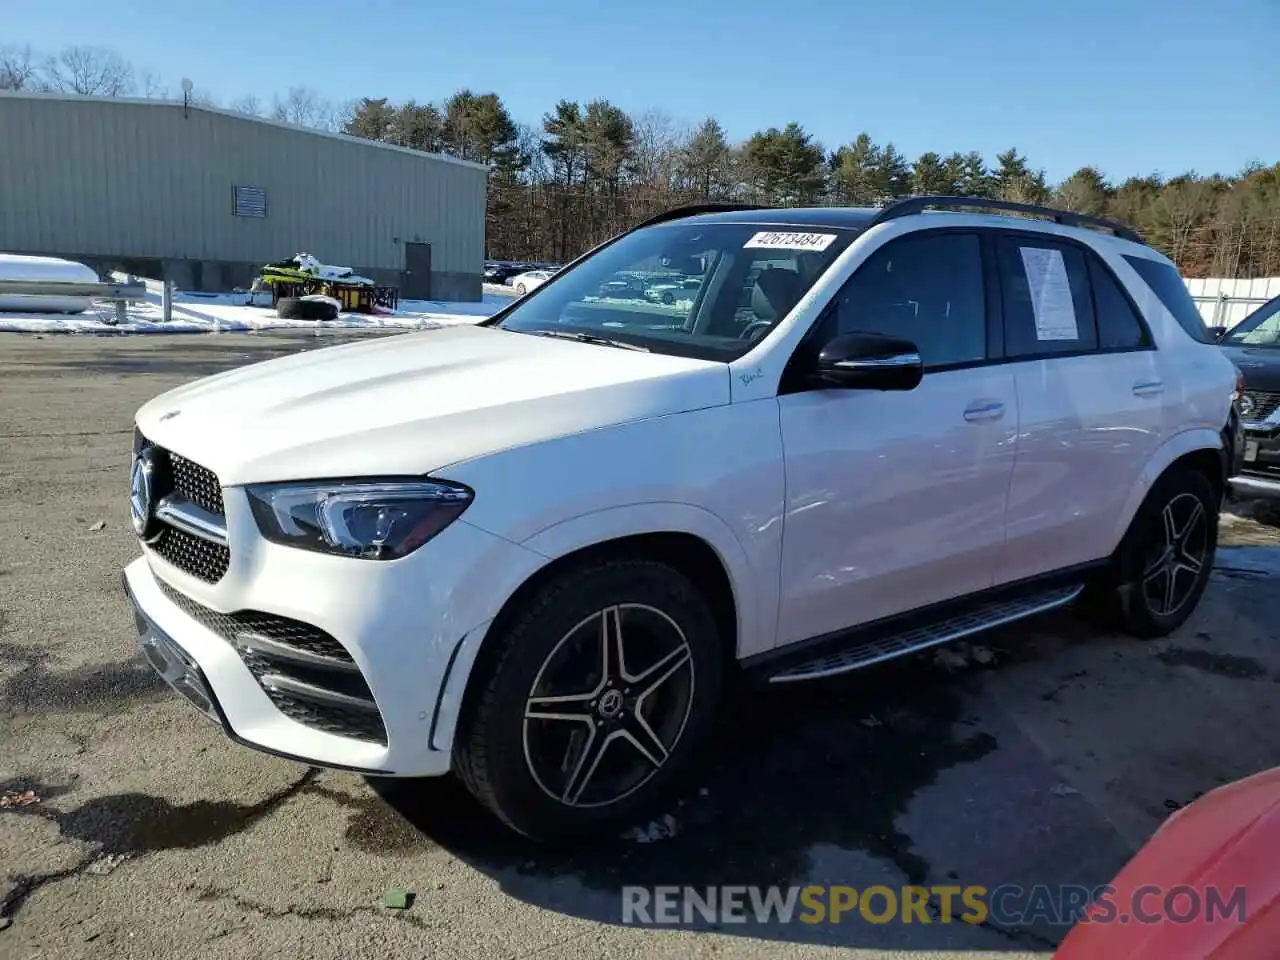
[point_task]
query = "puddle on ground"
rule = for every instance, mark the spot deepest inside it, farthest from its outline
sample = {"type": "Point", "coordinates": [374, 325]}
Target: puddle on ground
{"type": "Point", "coordinates": [833, 763]}
{"type": "Point", "coordinates": [129, 824]}
{"type": "Point", "coordinates": [1222, 664]}
{"type": "Point", "coordinates": [35, 688]}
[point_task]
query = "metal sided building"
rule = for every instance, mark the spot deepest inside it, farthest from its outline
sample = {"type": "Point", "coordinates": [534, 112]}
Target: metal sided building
{"type": "Point", "coordinates": [205, 197]}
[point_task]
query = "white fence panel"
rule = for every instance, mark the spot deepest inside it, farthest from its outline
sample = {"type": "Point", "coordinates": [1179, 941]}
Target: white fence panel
{"type": "Point", "coordinates": [1224, 302]}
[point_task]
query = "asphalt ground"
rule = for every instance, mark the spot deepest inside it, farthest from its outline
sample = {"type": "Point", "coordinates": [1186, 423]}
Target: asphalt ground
{"type": "Point", "coordinates": [1044, 755]}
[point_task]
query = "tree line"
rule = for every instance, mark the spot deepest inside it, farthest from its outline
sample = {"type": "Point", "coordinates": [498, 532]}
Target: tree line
{"type": "Point", "coordinates": [589, 170]}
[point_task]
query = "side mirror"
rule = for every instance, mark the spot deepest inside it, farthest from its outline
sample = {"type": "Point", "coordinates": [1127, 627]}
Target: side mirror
{"type": "Point", "coordinates": [869, 361]}
{"type": "Point", "coordinates": [1217, 333]}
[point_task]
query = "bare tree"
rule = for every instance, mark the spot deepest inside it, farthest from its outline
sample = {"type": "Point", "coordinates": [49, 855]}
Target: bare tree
{"type": "Point", "coordinates": [301, 105]}
{"type": "Point", "coordinates": [152, 87]}
{"type": "Point", "coordinates": [91, 71]}
{"type": "Point", "coordinates": [250, 105]}
{"type": "Point", "coordinates": [17, 69]}
{"type": "Point", "coordinates": [658, 142]}
{"type": "Point", "coordinates": [335, 116]}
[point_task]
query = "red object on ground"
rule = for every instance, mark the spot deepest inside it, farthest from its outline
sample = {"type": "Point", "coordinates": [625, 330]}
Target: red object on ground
{"type": "Point", "coordinates": [1224, 842]}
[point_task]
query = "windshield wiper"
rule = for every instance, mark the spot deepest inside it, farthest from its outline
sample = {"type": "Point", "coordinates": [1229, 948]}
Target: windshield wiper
{"type": "Point", "coordinates": [589, 338]}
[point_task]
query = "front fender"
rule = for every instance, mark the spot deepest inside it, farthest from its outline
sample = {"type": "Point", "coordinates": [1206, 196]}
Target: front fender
{"type": "Point", "coordinates": [1177, 446]}
{"type": "Point", "coordinates": [755, 596]}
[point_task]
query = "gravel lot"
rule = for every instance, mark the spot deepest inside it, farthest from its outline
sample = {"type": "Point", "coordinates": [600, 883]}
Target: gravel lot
{"type": "Point", "coordinates": [1044, 756]}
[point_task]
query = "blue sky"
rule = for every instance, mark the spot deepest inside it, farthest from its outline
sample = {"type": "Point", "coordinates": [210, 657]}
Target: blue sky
{"type": "Point", "coordinates": [1131, 86]}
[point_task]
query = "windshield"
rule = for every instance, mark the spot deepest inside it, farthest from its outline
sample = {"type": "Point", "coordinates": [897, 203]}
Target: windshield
{"type": "Point", "coordinates": [692, 289]}
{"type": "Point", "coordinates": [1260, 329]}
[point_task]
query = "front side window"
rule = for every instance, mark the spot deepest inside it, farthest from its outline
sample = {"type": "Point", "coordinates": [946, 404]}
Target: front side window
{"type": "Point", "coordinates": [1260, 329]}
{"type": "Point", "coordinates": [1048, 304]}
{"type": "Point", "coordinates": [706, 290]}
{"type": "Point", "coordinates": [925, 288]}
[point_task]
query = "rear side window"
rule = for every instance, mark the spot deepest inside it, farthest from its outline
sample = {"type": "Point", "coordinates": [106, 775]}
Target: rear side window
{"type": "Point", "coordinates": [1168, 287]}
{"type": "Point", "coordinates": [1119, 326]}
{"type": "Point", "coordinates": [1048, 306]}
{"type": "Point", "coordinates": [926, 288]}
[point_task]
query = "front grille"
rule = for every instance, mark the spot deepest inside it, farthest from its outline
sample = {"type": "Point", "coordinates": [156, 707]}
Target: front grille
{"type": "Point", "coordinates": [199, 484]}
{"type": "Point", "coordinates": [201, 558]}
{"type": "Point", "coordinates": [174, 474]}
{"type": "Point", "coordinates": [1264, 404]}
{"type": "Point", "coordinates": [336, 675]}
{"type": "Point", "coordinates": [291, 633]}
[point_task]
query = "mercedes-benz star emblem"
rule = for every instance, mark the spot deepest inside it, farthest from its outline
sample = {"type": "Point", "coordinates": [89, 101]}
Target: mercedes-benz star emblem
{"type": "Point", "coordinates": [140, 491]}
{"type": "Point", "coordinates": [610, 705]}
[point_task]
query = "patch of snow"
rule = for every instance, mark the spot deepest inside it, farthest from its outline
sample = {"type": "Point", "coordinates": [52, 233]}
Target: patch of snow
{"type": "Point", "coordinates": [655, 830]}
{"type": "Point", "coordinates": [228, 313]}
{"type": "Point", "coordinates": [321, 298]}
{"type": "Point", "coordinates": [309, 264]}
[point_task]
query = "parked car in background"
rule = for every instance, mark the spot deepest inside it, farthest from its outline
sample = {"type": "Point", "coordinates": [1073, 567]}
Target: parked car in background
{"type": "Point", "coordinates": [1253, 345]}
{"type": "Point", "coordinates": [501, 271]}
{"type": "Point", "coordinates": [534, 550]}
{"type": "Point", "coordinates": [670, 291]}
{"type": "Point", "coordinates": [524, 282]}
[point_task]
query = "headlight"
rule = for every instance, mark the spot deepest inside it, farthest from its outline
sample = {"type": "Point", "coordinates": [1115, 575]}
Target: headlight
{"type": "Point", "coordinates": [376, 521]}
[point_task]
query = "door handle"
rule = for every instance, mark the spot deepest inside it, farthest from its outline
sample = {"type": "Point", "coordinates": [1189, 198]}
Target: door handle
{"type": "Point", "coordinates": [981, 410]}
{"type": "Point", "coordinates": [1148, 388]}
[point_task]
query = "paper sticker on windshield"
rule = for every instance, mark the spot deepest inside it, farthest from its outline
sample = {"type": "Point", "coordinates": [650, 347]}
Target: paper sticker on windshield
{"type": "Point", "coordinates": [790, 241]}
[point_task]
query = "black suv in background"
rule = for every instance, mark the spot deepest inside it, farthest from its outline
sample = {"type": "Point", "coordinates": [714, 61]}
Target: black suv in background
{"type": "Point", "coordinates": [1253, 345]}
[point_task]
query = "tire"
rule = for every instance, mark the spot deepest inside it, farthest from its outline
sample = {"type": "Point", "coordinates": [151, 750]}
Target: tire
{"type": "Point", "coordinates": [668, 298]}
{"type": "Point", "coordinates": [295, 308]}
{"type": "Point", "coordinates": [520, 289]}
{"type": "Point", "coordinates": [1132, 595]}
{"type": "Point", "coordinates": [588, 769]}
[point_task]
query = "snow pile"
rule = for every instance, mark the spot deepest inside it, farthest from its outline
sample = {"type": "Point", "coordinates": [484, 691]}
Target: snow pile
{"type": "Point", "coordinates": [14, 267]}
{"type": "Point", "coordinates": [327, 271]}
{"type": "Point", "coordinates": [228, 313]}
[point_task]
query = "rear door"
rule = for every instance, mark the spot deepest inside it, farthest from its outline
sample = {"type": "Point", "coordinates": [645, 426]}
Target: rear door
{"type": "Point", "coordinates": [895, 500]}
{"type": "Point", "coordinates": [1091, 401]}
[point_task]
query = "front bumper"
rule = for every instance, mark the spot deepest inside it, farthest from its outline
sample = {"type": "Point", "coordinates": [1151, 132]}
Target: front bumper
{"type": "Point", "coordinates": [1258, 473]}
{"type": "Point", "coordinates": [410, 626]}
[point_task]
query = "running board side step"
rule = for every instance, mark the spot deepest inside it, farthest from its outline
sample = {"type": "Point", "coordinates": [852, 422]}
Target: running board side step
{"type": "Point", "coordinates": [864, 650]}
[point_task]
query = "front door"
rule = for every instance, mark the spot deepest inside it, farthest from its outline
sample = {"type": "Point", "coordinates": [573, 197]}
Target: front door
{"type": "Point", "coordinates": [896, 500]}
{"type": "Point", "coordinates": [417, 272]}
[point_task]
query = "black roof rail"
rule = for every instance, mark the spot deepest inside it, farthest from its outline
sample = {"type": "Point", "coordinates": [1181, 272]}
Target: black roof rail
{"type": "Point", "coordinates": [910, 205]}
{"type": "Point", "coordinates": [694, 209]}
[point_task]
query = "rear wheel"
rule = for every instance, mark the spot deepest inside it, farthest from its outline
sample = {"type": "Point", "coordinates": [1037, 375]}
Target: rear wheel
{"type": "Point", "coordinates": [599, 693]}
{"type": "Point", "coordinates": [1163, 564]}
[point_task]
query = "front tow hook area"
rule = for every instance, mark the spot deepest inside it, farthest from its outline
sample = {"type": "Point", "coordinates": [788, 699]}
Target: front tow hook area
{"type": "Point", "coordinates": [174, 665]}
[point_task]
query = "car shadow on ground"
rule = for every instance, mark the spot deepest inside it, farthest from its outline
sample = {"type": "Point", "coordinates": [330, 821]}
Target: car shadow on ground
{"type": "Point", "coordinates": [801, 784]}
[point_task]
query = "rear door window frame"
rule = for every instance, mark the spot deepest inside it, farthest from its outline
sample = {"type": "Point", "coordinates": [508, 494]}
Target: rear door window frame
{"type": "Point", "coordinates": [1093, 261]}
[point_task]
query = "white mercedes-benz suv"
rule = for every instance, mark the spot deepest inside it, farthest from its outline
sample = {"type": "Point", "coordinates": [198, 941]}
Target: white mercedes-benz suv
{"type": "Point", "coordinates": [534, 551]}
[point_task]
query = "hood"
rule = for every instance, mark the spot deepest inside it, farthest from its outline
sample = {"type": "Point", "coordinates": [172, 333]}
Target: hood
{"type": "Point", "coordinates": [413, 403]}
{"type": "Point", "coordinates": [1260, 366]}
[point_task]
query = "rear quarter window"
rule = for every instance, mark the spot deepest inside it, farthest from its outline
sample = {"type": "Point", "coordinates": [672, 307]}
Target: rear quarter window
{"type": "Point", "coordinates": [1171, 291]}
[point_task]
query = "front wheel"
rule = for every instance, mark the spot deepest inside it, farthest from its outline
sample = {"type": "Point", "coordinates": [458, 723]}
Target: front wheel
{"type": "Point", "coordinates": [520, 289]}
{"type": "Point", "coordinates": [599, 693]}
{"type": "Point", "coordinates": [1163, 564]}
